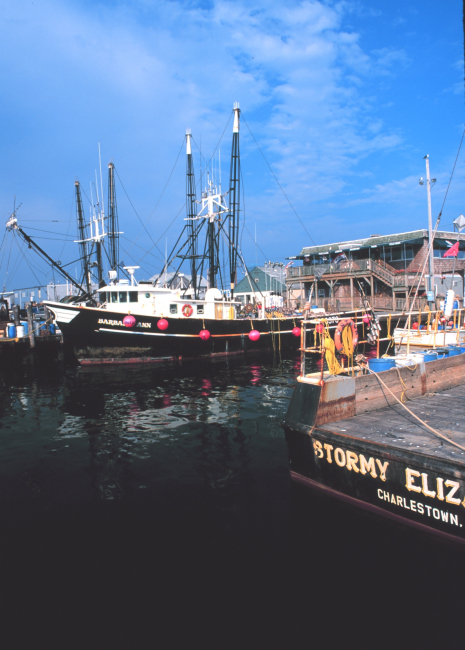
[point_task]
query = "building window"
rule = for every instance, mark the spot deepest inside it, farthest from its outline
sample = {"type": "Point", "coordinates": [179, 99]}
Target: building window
{"type": "Point", "coordinates": [321, 293]}
{"type": "Point", "coordinates": [257, 280]}
{"type": "Point", "coordinates": [23, 294]}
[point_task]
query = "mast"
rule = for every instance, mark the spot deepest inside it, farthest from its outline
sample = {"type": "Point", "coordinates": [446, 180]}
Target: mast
{"type": "Point", "coordinates": [191, 213]}
{"type": "Point", "coordinates": [82, 238]}
{"type": "Point", "coordinates": [234, 199]}
{"type": "Point", "coordinates": [113, 226]}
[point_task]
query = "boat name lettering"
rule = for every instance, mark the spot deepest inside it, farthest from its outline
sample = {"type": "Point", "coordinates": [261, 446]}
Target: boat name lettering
{"type": "Point", "coordinates": [416, 506]}
{"type": "Point", "coordinates": [421, 483]}
{"type": "Point", "coordinates": [350, 460]}
{"type": "Point", "coordinates": [105, 321]}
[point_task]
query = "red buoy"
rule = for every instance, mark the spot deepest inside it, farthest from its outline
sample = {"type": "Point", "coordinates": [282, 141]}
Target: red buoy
{"type": "Point", "coordinates": [320, 328]}
{"type": "Point", "coordinates": [415, 326]}
{"type": "Point", "coordinates": [366, 319]}
{"type": "Point", "coordinates": [204, 335]}
{"type": "Point", "coordinates": [129, 321]}
{"type": "Point", "coordinates": [296, 331]}
{"type": "Point", "coordinates": [162, 324]}
{"type": "Point", "coordinates": [254, 335]}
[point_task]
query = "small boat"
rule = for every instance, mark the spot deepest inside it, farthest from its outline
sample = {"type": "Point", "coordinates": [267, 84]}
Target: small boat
{"type": "Point", "coordinates": [385, 434]}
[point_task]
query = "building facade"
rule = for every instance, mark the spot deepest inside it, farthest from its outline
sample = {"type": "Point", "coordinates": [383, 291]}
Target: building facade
{"type": "Point", "coordinates": [386, 268]}
{"type": "Point", "coordinates": [262, 283]}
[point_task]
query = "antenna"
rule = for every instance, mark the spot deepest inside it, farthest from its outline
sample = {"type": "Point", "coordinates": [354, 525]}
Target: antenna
{"type": "Point", "coordinates": [101, 182]}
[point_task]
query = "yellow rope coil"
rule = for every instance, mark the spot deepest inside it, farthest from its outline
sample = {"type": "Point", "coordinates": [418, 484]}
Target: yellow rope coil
{"type": "Point", "coordinates": [330, 351]}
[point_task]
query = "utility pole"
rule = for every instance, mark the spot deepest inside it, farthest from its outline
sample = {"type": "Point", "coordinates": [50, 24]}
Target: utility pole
{"type": "Point", "coordinates": [430, 293]}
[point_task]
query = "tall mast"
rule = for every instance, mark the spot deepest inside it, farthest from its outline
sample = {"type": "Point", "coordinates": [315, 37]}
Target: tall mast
{"type": "Point", "coordinates": [234, 199]}
{"type": "Point", "coordinates": [113, 226]}
{"type": "Point", "coordinates": [191, 213]}
{"type": "Point", "coordinates": [82, 238]}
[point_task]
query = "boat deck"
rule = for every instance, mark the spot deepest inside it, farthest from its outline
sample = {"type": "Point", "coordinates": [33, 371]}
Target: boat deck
{"type": "Point", "coordinates": [394, 427]}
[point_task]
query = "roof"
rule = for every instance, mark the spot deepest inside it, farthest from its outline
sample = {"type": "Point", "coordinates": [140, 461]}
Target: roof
{"type": "Point", "coordinates": [181, 281]}
{"type": "Point", "coordinates": [268, 280]}
{"type": "Point", "coordinates": [415, 236]}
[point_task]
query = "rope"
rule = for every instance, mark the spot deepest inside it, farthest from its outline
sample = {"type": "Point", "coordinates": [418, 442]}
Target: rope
{"type": "Point", "coordinates": [330, 351]}
{"type": "Point", "coordinates": [436, 433]}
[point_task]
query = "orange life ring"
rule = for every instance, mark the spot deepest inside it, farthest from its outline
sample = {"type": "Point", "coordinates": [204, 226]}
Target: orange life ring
{"type": "Point", "coordinates": [347, 322]}
{"type": "Point", "coordinates": [187, 310]}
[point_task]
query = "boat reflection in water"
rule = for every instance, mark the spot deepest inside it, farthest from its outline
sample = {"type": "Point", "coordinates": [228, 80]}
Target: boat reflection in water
{"type": "Point", "coordinates": [143, 502]}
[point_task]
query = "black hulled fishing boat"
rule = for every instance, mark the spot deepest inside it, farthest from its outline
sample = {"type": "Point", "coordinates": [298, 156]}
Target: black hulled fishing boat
{"type": "Point", "coordinates": [166, 319]}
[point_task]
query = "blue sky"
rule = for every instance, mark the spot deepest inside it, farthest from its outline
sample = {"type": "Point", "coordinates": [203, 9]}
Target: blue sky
{"type": "Point", "coordinates": [344, 98]}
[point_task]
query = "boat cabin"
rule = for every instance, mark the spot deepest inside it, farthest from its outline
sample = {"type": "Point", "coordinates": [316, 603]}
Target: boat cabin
{"type": "Point", "coordinates": [144, 298]}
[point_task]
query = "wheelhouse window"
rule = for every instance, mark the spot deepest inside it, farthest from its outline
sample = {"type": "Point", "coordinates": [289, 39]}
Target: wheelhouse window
{"type": "Point", "coordinates": [123, 296]}
{"type": "Point", "coordinates": [133, 296]}
{"type": "Point", "coordinates": [173, 309]}
{"type": "Point", "coordinates": [114, 296]}
{"type": "Point", "coordinates": [103, 296]}
{"type": "Point", "coordinates": [200, 309]}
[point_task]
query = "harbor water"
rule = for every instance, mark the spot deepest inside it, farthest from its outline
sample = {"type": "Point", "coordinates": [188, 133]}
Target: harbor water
{"type": "Point", "coordinates": [152, 507]}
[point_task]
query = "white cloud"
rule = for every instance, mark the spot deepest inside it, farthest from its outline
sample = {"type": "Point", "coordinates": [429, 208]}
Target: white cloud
{"type": "Point", "coordinates": [136, 74]}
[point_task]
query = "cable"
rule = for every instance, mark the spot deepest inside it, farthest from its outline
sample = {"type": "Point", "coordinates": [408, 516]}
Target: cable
{"type": "Point", "coordinates": [278, 183]}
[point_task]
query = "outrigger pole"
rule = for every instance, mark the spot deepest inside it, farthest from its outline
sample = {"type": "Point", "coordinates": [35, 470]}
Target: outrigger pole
{"type": "Point", "coordinates": [113, 226]}
{"type": "Point", "coordinates": [191, 212]}
{"type": "Point", "coordinates": [12, 224]}
{"type": "Point", "coordinates": [82, 238]}
{"type": "Point", "coordinates": [234, 199]}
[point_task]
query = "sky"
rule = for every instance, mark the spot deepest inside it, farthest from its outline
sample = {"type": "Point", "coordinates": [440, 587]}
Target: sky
{"type": "Point", "coordinates": [340, 102]}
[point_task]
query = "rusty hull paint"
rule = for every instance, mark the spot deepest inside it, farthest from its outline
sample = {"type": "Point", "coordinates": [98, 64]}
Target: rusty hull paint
{"type": "Point", "coordinates": [337, 400]}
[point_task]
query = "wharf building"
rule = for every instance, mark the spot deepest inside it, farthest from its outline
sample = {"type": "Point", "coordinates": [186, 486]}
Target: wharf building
{"type": "Point", "coordinates": [387, 268]}
{"type": "Point", "coordinates": [262, 283]}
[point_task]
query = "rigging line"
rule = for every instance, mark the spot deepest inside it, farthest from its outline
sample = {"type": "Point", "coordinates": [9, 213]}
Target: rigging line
{"type": "Point", "coordinates": [49, 231]}
{"type": "Point", "coordinates": [27, 262]}
{"type": "Point", "coordinates": [169, 178]}
{"type": "Point", "coordinates": [251, 236]}
{"type": "Point", "coordinates": [4, 249]}
{"type": "Point", "coordinates": [135, 211]}
{"type": "Point", "coordinates": [69, 241]}
{"type": "Point", "coordinates": [197, 184]}
{"type": "Point", "coordinates": [8, 264]}
{"type": "Point", "coordinates": [279, 185]}
{"type": "Point", "coordinates": [67, 234]}
{"type": "Point", "coordinates": [44, 221]}
{"type": "Point", "coordinates": [219, 142]}
{"type": "Point", "coordinates": [143, 249]}
{"type": "Point", "coordinates": [453, 169]}
{"type": "Point", "coordinates": [126, 253]}
{"type": "Point", "coordinates": [161, 196]}
{"type": "Point", "coordinates": [16, 264]}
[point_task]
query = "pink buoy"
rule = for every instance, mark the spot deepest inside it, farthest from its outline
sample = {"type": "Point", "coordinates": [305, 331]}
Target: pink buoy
{"type": "Point", "coordinates": [204, 335]}
{"type": "Point", "coordinates": [320, 328]}
{"type": "Point", "coordinates": [162, 324]}
{"type": "Point", "coordinates": [366, 319]}
{"type": "Point", "coordinates": [296, 331]}
{"type": "Point", "coordinates": [254, 335]}
{"type": "Point", "coordinates": [129, 321]}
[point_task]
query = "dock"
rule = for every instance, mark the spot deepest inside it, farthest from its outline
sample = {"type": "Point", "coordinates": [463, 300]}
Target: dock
{"type": "Point", "coordinates": [390, 441]}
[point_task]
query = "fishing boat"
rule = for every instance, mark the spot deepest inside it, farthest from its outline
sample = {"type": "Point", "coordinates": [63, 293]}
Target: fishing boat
{"type": "Point", "coordinates": [384, 434]}
{"type": "Point", "coordinates": [129, 321]}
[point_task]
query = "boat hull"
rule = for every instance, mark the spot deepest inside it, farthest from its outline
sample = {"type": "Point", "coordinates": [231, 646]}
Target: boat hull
{"type": "Point", "coordinates": [94, 334]}
{"type": "Point", "coordinates": [345, 438]}
{"type": "Point", "coordinates": [383, 487]}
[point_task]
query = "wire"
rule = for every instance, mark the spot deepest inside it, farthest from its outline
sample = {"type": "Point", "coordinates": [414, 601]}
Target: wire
{"type": "Point", "coordinates": [279, 185]}
{"type": "Point", "coordinates": [49, 231]}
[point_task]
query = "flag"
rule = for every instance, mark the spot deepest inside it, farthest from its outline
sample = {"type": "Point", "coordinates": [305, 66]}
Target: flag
{"type": "Point", "coordinates": [339, 258]}
{"type": "Point", "coordinates": [452, 252]}
{"type": "Point", "coordinates": [288, 265]}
